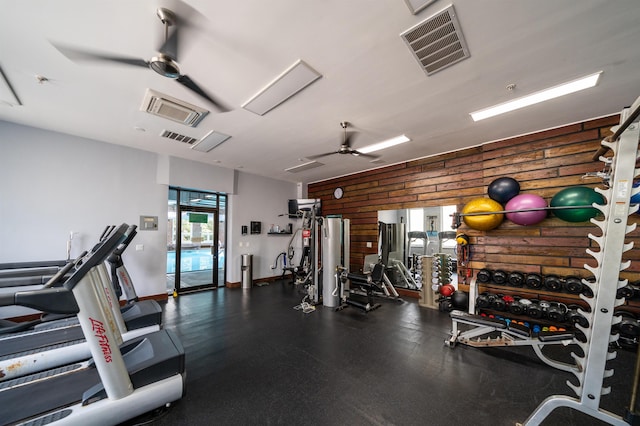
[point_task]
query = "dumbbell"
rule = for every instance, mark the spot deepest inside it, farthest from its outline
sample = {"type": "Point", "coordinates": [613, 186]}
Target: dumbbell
{"type": "Point", "coordinates": [498, 303]}
{"type": "Point", "coordinates": [629, 325]}
{"type": "Point", "coordinates": [484, 300]}
{"type": "Point", "coordinates": [556, 311]}
{"type": "Point", "coordinates": [483, 276]}
{"type": "Point", "coordinates": [515, 279]}
{"type": "Point", "coordinates": [533, 281]}
{"type": "Point", "coordinates": [625, 292]}
{"type": "Point", "coordinates": [519, 306]}
{"type": "Point", "coordinates": [573, 285]}
{"type": "Point", "coordinates": [499, 277]}
{"type": "Point", "coordinates": [575, 317]}
{"type": "Point", "coordinates": [534, 310]}
{"type": "Point", "coordinates": [445, 304]}
{"type": "Point", "coordinates": [552, 283]}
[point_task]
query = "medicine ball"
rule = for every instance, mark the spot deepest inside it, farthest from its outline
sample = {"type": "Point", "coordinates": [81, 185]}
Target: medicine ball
{"type": "Point", "coordinates": [483, 276]}
{"type": "Point", "coordinates": [483, 222]}
{"type": "Point", "coordinates": [573, 285]}
{"type": "Point", "coordinates": [552, 282]}
{"type": "Point", "coordinates": [446, 290]}
{"type": "Point", "coordinates": [460, 300]}
{"type": "Point", "coordinates": [533, 281]}
{"type": "Point", "coordinates": [503, 189]}
{"type": "Point", "coordinates": [524, 205]}
{"type": "Point", "coordinates": [576, 196]}
{"type": "Point", "coordinates": [515, 279]}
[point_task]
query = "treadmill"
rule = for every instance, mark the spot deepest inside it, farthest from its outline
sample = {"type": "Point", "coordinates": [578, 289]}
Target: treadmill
{"type": "Point", "coordinates": [53, 343]}
{"type": "Point", "coordinates": [120, 382]}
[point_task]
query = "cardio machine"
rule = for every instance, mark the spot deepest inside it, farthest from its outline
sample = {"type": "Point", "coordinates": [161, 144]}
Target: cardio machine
{"type": "Point", "coordinates": [120, 382]}
{"type": "Point", "coordinates": [59, 339]}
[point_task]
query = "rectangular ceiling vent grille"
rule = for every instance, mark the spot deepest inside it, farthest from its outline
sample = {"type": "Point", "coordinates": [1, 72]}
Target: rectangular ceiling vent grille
{"type": "Point", "coordinates": [173, 109]}
{"type": "Point", "coordinates": [178, 137]}
{"type": "Point", "coordinates": [437, 42]}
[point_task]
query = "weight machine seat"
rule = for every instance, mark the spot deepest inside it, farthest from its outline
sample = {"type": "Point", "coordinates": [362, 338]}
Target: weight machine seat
{"type": "Point", "coordinates": [554, 336]}
{"type": "Point", "coordinates": [477, 319]}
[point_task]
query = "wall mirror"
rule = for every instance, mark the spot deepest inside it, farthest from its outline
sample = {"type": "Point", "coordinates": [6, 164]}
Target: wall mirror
{"type": "Point", "coordinates": [407, 234]}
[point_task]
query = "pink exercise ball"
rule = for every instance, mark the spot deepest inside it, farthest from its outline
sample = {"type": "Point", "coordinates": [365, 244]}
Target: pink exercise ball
{"type": "Point", "coordinates": [524, 202]}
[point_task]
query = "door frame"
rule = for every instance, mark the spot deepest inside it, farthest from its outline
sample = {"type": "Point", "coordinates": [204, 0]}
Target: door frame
{"type": "Point", "coordinates": [216, 235]}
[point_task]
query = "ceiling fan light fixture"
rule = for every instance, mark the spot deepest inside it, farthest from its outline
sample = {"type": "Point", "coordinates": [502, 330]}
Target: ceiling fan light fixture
{"type": "Point", "coordinates": [165, 66]}
{"type": "Point", "coordinates": [384, 144]}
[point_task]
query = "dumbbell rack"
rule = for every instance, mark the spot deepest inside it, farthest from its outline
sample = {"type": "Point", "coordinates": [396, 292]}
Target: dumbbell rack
{"type": "Point", "coordinates": [610, 263]}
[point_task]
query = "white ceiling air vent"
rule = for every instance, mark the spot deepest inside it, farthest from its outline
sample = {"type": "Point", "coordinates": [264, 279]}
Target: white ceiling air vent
{"type": "Point", "coordinates": [437, 42]}
{"type": "Point", "coordinates": [178, 137]}
{"type": "Point", "coordinates": [165, 106]}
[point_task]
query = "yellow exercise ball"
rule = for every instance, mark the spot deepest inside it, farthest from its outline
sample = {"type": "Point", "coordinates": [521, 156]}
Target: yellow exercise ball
{"type": "Point", "coordinates": [483, 222]}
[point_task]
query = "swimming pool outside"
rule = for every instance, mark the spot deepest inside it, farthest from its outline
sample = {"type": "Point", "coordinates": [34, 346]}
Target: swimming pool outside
{"type": "Point", "coordinates": [194, 260]}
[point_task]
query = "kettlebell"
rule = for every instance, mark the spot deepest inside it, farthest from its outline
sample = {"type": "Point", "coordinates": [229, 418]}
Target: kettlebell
{"type": "Point", "coordinates": [573, 285]}
{"type": "Point", "coordinates": [552, 283]}
{"type": "Point", "coordinates": [484, 276]}
{"type": "Point", "coordinates": [515, 279]}
{"type": "Point", "coordinates": [533, 281]}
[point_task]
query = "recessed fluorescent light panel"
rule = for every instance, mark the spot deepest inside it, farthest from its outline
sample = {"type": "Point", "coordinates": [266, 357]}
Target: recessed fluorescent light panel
{"type": "Point", "coordinates": [416, 6]}
{"type": "Point", "coordinates": [541, 96]}
{"type": "Point", "coordinates": [303, 167]}
{"type": "Point", "coordinates": [294, 79]}
{"type": "Point", "coordinates": [384, 144]}
{"type": "Point", "coordinates": [210, 141]}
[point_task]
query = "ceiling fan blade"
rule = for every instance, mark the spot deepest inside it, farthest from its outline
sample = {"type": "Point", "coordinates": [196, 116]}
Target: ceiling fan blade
{"type": "Point", "coordinates": [76, 54]}
{"type": "Point", "coordinates": [315, 157]}
{"type": "Point", "coordinates": [191, 85]}
{"type": "Point", "coordinates": [360, 154]}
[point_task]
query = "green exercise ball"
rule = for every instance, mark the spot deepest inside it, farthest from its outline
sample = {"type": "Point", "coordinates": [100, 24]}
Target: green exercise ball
{"type": "Point", "coordinates": [576, 196]}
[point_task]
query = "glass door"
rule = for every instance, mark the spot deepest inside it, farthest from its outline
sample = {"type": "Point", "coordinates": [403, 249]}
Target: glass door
{"type": "Point", "coordinates": [197, 249]}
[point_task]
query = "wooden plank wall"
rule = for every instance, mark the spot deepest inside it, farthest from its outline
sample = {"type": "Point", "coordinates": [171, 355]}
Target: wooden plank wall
{"type": "Point", "coordinates": [543, 163]}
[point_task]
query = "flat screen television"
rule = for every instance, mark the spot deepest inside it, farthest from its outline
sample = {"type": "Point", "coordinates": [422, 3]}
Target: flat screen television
{"type": "Point", "coordinates": [296, 207]}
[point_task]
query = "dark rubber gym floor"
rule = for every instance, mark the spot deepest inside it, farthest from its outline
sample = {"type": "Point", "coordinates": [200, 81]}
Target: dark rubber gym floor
{"type": "Point", "coordinates": [254, 360]}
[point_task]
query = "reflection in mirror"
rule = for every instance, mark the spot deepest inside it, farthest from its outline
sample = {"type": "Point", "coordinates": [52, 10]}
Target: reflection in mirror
{"type": "Point", "coordinates": [406, 236]}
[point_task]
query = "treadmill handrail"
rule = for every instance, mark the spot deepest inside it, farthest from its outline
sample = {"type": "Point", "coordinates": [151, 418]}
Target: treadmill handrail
{"type": "Point", "coordinates": [98, 255]}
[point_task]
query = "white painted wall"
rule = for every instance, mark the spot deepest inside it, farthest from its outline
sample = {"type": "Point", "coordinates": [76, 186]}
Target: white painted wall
{"type": "Point", "coordinates": [263, 200]}
{"type": "Point", "coordinates": [52, 184]}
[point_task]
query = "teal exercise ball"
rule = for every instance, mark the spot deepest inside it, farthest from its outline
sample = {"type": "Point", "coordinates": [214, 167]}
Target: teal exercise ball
{"type": "Point", "coordinates": [576, 196]}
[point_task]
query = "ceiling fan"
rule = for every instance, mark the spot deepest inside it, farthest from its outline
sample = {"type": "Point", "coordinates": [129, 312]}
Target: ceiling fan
{"type": "Point", "coordinates": [345, 146]}
{"type": "Point", "coordinates": [164, 63]}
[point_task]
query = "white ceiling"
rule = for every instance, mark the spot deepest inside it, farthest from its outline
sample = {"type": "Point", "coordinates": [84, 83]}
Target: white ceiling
{"type": "Point", "coordinates": [232, 49]}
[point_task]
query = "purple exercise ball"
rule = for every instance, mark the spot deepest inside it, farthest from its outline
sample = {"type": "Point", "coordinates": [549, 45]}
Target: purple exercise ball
{"type": "Point", "coordinates": [524, 202]}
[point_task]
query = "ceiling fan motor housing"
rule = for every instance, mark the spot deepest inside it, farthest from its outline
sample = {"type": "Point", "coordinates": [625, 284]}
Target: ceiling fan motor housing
{"type": "Point", "coordinates": [165, 66]}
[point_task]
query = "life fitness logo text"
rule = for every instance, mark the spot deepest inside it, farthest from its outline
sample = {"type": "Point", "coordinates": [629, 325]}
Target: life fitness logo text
{"type": "Point", "coordinates": [103, 340]}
